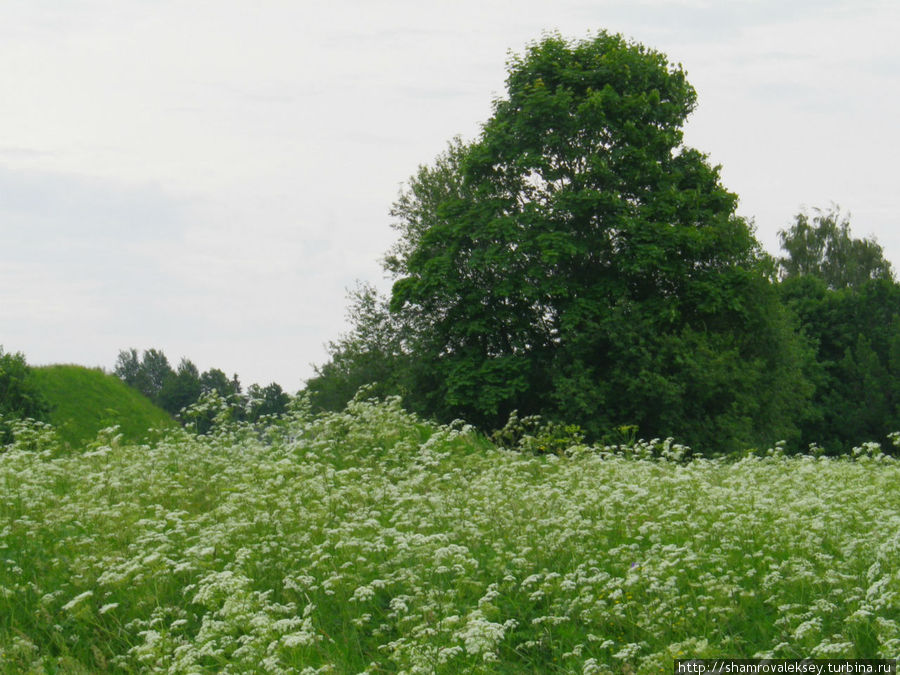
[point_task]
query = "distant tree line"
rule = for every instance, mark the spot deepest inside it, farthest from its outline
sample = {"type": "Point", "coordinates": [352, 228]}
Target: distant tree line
{"type": "Point", "coordinates": [576, 261]}
{"type": "Point", "coordinates": [174, 390]}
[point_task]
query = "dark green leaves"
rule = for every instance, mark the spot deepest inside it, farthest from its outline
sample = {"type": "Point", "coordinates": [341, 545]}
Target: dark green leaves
{"type": "Point", "coordinates": [575, 261]}
{"type": "Point", "coordinates": [821, 246]}
{"type": "Point", "coordinates": [19, 396]}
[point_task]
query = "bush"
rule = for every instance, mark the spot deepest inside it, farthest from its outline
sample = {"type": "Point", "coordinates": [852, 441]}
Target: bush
{"type": "Point", "coordinates": [19, 397]}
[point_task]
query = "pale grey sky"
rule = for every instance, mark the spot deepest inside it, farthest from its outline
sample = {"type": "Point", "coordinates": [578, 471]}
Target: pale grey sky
{"type": "Point", "coordinates": [209, 178]}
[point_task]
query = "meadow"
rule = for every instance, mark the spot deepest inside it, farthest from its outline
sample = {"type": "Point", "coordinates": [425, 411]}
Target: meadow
{"type": "Point", "coordinates": [369, 541]}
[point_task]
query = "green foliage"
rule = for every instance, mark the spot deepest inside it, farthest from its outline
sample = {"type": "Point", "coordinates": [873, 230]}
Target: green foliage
{"type": "Point", "coordinates": [219, 399]}
{"type": "Point", "coordinates": [821, 246]}
{"type": "Point", "coordinates": [152, 375]}
{"type": "Point", "coordinates": [148, 374]}
{"type": "Point", "coordinates": [216, 380]}
{"type": "Point", "coordinates": [843, 291]}
{"type": "Point", "coordinates": [19, 397]}
{"type": "Point", "coordinates": [531, 434]}
{"type": "Point", "coordinates": [210, 411]}
{"type": "Point", "coordinates": [86, 400]}
{"type": "Point", "coordinates": [578, 262]}
{"type": "Point", "coordinates": [181, 388]}
{"type": "Point", "coordinates": [188, 394]}
{"type": "Point", "coordinates": [270, 400]}
{"type": "Point", "coordinates": [856, 330]}
{"type": "Point", "coordinates": [371, 355]}
{"type": "Point", "coordinates": [370, 541]}
{"type": "Point", "coordinates": [156, 372]}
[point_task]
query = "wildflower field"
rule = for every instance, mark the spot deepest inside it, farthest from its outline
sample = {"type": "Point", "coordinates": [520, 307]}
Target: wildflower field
{"type": "Point", "coordinates": [371, 542]}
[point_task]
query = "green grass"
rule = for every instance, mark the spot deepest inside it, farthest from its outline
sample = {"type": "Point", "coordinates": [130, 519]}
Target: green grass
{"type": "Point", "coordinates": [86, 400]}
{"type": "Point", "coordinates": [367, 542]}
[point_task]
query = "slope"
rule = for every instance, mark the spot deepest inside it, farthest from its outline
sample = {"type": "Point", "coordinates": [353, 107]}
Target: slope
{"type": "Point", "coordinates": [85, 400]}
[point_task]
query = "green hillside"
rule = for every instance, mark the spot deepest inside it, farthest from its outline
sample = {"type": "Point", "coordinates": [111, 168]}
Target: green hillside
{"type": "Point", "coordinates": [85, 400]}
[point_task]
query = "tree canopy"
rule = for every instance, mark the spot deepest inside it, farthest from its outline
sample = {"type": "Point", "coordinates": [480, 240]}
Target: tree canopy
{"type": "Point", "coordinates": [576, 260]}
{"type": "Point", "coordinates": [821, 246]}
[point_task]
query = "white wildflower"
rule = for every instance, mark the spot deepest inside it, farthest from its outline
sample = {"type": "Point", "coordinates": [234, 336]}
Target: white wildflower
{"type": "Point", "coordinates": [71, 604]}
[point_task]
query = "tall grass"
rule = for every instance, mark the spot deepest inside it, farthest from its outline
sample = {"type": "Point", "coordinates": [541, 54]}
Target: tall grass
{"type": "Point", "coordinates": [369, 542]}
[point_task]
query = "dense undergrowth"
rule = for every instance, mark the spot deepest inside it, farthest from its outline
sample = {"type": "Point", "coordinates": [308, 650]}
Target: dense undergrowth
{"type": "Point", "coordinates": [369, 541]}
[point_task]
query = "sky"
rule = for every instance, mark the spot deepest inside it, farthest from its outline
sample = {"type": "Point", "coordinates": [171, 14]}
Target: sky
{"type": "Point", "coordinates": [209, 178]}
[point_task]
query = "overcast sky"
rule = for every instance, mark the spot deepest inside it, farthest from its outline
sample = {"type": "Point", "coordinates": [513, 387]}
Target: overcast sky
{"type": "Point", "coordinates": [209, 177]}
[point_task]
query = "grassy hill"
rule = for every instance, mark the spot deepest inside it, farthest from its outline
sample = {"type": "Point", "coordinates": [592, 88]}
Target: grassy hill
{"type": "Point", "coordinates": [85, 400]}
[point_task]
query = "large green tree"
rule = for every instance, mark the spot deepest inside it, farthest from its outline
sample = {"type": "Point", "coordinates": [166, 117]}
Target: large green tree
{"type": "Point", "coordinates": [577, 260]}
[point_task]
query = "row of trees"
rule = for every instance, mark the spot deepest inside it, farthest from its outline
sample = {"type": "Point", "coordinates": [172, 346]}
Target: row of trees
{"type": "Point", "coordinates": [577, 261]}
{"type": "Point", "coordinates": [846, 300]}
{"type": "Point", "coordinates": [176, 389]}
